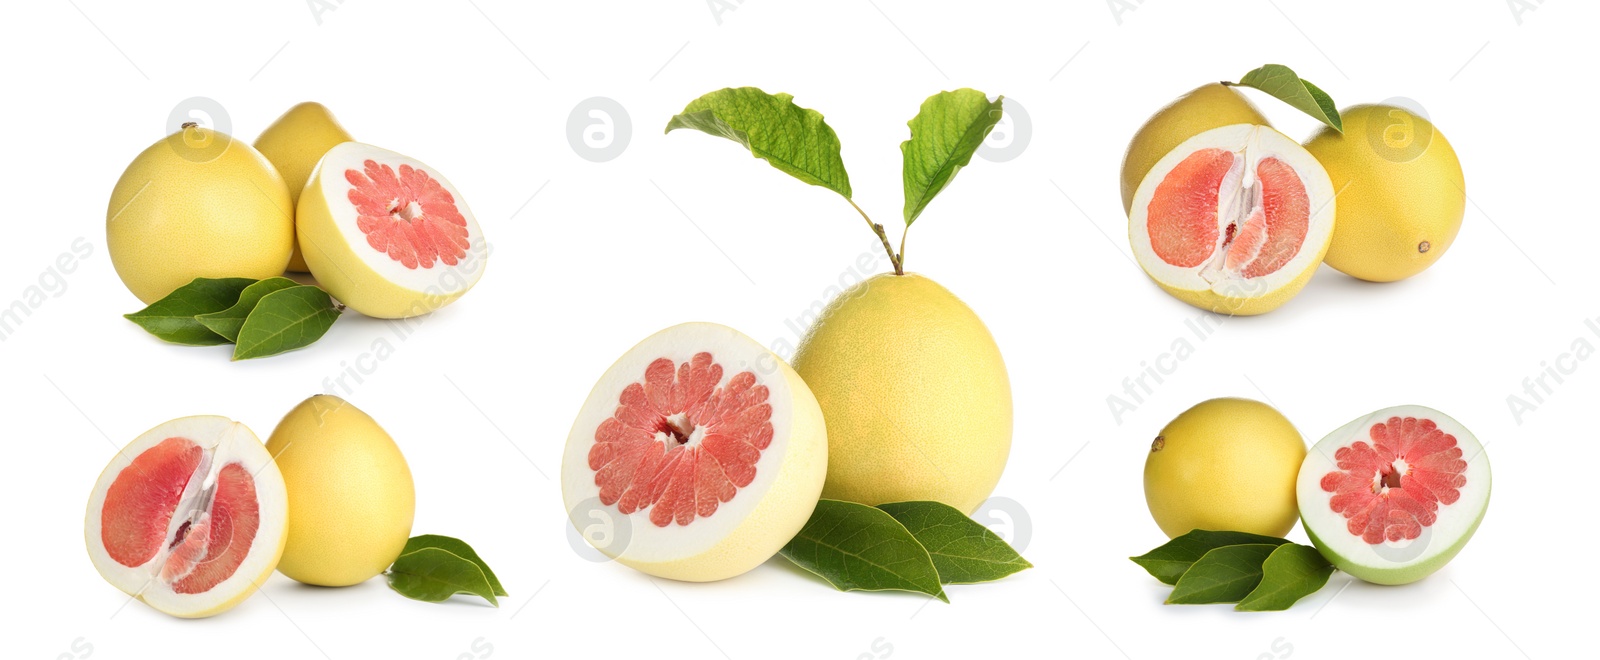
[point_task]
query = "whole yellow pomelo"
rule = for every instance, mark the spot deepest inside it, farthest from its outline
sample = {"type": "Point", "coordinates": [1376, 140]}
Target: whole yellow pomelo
{"type": "Point", "coordinates": [293, 144]}
{"type": "Point", "coordinates": [197, 203]}
{"type": "Point", "coordinates": [1225, 465]}
{"type": "Point", "coordinates": [351, 499]}
{"type": "Point", "coordinates": [1206, 107]}
{"type": "Point", "coordinates": [1401, 192]}
{"type": "Point", "coordinates": [914, 393]}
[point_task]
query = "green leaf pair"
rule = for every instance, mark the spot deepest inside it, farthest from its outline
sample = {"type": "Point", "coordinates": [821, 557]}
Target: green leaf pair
{"type": "Point", "coordinates": [260, 317]}
{"type": "Point", "coordinates": [905, 546]}
{"type": "Point", "coordinates": [945, 134]}
{"type": "Point", "coordinates": [1260, 573]}
{"type": "Point", "coordinates": [433, 568]}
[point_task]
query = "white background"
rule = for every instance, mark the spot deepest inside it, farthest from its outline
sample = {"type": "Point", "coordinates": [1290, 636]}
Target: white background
{"type": "Point", "coordinates": [590, 257]}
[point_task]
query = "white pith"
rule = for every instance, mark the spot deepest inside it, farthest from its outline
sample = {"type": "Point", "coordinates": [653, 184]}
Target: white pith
{"type": "Point", "coordinates": [1238, 196]}
{"type": "Point", "coordinates": [440, 279]}
{"type": "Point", "coordinates": [223, 442]}
{"type": "Point", "coordinates": [1454, 520]}
{"type": "Point", "coordinates": [648, 543]}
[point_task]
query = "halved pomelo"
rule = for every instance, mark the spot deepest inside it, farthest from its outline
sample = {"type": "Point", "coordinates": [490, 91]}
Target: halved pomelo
{"type": "Point", "coordinates": [700, 452]}
{"type": "Point", "coordinates": [190, 517]}
{"type": "Point", "coordinates": [1234, 220]}
{"type": "Point", "coordinates": [387, 235]}
{"type": "Point", "coordinates": [1393, 496]}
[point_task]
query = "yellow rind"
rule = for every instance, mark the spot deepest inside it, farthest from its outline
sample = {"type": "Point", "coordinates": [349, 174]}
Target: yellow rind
{"type": "Point", "coordinates": [351, 497]}
{"type": "Point", "coordinates": [293, 144]}
{"type": "Point", "coordinates": [174, 218]}
{"type": "Point", "coordinates": [1226, 465]}
{"type": "Point", "coordinates": [915, 393]}
{"type": "Point", "coordinates": [1387, 208]}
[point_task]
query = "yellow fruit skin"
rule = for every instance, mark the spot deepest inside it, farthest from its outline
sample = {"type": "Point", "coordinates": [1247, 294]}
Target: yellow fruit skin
{"type": "Point", "coordinates": [187, 208]}
{"type": "Point", "coordinates": [1225, 465]}
{"type": "Point", "coordinates": [915, 394]}
{"type": "Point", "coordinates": [351, 499]}
{"type": "Point", "coordinates": [293, 144]}
{"type": "Point", "coordinates": [1391, 199]}
{"type": "Point", "coordinates": [1206, 107]}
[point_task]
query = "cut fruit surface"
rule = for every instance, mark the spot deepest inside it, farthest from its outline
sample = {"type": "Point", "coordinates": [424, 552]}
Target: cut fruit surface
{"type": "Point", "coordinates": [1234, 220]}
{"type": "Point", "coordinates": [189, 517]}
{"type": "Point", "coordinates": [1202, 109]}
{"type": "Point", "coordinates": [1393, 496]}
{"type": "Point", "coordinates": [701, 452]}
{"type": "Point", "coordinates": [386, 234]}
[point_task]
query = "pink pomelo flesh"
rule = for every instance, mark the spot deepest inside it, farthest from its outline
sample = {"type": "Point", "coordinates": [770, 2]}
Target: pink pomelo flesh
{"type": "Point", "coordinates": [1393, 487]}
{"type": "Point", "coordinates": [1266, 226]}
{"type": "Point", "coordinates": [140, 503]}
{"type": "Point", "coordinates": [407, 215]}
{"type": "Point", "coordinates": [680, 445]}
{"type": "Point", "coordinates": [209, 546]}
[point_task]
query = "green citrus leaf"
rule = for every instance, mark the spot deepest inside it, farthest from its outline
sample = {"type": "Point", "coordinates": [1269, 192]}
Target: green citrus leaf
{"type": "Point", "coordinates": [173, 318]}
{"type": "Point", "coordinates": [944, 135]}
{"type": "Point", "coordinates": [1168, 562]}
{"type": "Point", "coordinates": [793, 139]}
{"type": "Point", "coordinates": [963, 551]}
{"type": "Point", "coordinates": [228, 321]}
{"type": "Point", "coordinates": [458, 548]}
{"type": "Point", "coordinates": [435, 574]}
{"type": "Point", "coordinates": [1223, 575]}
{"type": "Point", "coordinates": [1281, 82]}
{"type": "Point", "coordinates": [285, 320]}
{"type": "Point", "coordinates": [1291, 572]}
{"type": "Point", "coordinates": [856, 547]}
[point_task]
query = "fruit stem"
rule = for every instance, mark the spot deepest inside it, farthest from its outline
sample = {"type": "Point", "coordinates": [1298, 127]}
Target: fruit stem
{"type": "Point", "coordinates": [902, 255]}
{"type": "Point", "coordinates": [894, 259]}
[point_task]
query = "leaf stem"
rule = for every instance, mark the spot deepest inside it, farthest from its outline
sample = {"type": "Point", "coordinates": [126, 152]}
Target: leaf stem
{"type": "Point", "coordinates": [878, 229]}
{"type": "Point", "coordinates": [902, 256]}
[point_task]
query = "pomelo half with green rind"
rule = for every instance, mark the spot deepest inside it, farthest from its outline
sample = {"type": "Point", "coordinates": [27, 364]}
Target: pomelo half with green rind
{"type": "Point", "coordinates": [1395, 495]}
